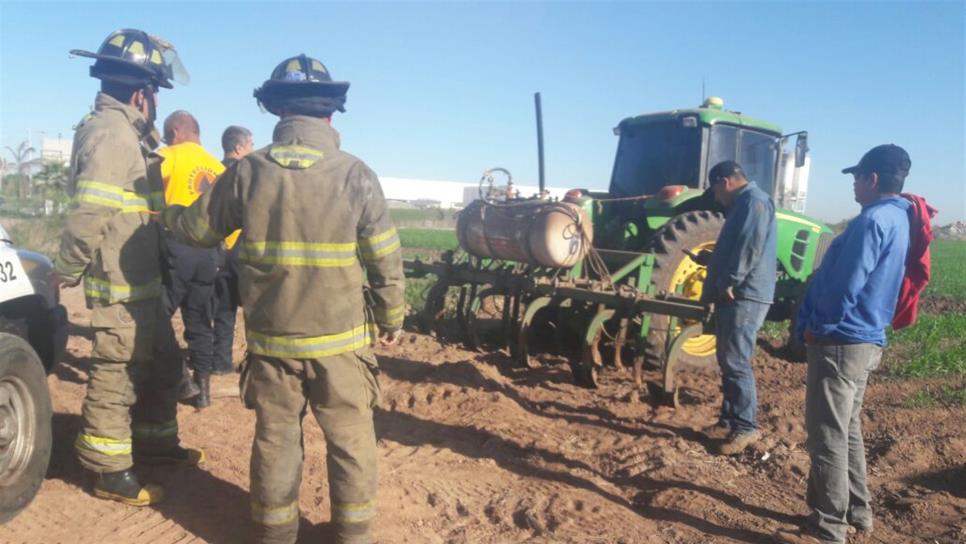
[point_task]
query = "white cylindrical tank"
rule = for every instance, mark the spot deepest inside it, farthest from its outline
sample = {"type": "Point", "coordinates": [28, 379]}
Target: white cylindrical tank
{"type": "Point", "coordinates": [554, 234]}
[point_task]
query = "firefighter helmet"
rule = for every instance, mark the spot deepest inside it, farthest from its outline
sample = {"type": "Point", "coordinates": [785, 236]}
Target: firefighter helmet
{"type": "Point", "coordinates": [301, 80]}
{"type": "Point", "coordinates": [134, 57]}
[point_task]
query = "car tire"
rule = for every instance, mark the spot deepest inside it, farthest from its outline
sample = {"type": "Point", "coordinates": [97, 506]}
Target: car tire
{"type": "Point", "coordinates": [25, 425]}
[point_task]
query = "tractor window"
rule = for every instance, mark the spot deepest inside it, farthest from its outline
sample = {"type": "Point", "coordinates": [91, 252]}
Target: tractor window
{"type": "Point", "coordinates": [653, 156]}
{"type": "Point", "coordinates": [754, 151]}
{"type": "Point", "coordinates": [757, 156]}
{"type": "Point", "coordinates": [724, 143]}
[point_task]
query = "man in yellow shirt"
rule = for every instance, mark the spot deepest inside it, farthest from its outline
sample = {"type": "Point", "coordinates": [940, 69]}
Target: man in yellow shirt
{"type": "Point", "coordinates": [187, 172]}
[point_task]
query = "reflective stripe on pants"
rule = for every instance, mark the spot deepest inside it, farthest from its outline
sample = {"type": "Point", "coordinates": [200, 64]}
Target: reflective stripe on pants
{"type": "Point", "coordinates": [341, 391]}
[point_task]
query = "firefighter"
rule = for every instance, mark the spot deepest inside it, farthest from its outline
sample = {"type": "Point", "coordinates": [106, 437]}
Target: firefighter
{"type": "Point", "coordinates": [308, 213]}
{"type": "Point", "coordinates": [112, 243]}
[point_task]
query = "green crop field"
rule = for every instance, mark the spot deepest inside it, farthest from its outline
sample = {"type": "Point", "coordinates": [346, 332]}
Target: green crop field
{"type": "Point", "coordinates": [948, 277]}
{"type": "Point", "coordinates": [935, 347]}
{"type": "Point", "coordinates": [435, 239]}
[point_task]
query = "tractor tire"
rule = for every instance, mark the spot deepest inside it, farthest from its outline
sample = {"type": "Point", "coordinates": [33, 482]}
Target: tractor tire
{"type": "Point", "coordinates": [694, 231]}
{"type": "Point", "coordinates": [25, 425]}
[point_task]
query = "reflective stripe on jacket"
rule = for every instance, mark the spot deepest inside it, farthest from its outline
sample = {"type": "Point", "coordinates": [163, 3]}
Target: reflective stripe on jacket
{"type": "Point", "coordinates": [109, 237]}
{"type": "Point", "coordinates": [315, 233]}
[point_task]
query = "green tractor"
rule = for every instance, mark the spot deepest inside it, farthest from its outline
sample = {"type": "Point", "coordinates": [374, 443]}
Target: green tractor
{"type": "Point", "coordinates": [658, 203]}
{"type": "Point", "coordinates": [612, 268]}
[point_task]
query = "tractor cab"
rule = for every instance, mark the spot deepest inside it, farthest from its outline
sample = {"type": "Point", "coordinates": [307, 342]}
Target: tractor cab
{"type": "Point", "coordinates": [662, 163]}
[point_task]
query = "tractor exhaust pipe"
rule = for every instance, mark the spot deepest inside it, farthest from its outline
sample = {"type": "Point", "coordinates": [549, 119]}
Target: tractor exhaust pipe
{"type": "Point", "coordinates": [540, 164]}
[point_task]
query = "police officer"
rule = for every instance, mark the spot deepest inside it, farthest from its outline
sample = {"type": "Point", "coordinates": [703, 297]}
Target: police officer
{"type": "Point", "coordinates": [111, 243]}
{"type": "Point", "coordinates": [308, 213]}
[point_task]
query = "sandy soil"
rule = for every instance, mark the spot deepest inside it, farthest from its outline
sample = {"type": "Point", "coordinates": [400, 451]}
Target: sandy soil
{"type": "Point", "coordinates": [475, 451]}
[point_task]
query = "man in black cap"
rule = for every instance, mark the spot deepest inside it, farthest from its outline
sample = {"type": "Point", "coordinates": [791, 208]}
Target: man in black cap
{"type": "Point", "coordinates": [741, 281]}
{"type": "Point", "coordinates": [850, 301]}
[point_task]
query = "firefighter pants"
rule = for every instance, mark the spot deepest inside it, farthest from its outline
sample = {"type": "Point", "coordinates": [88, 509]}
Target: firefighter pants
{"type": "Point", "coordinates": [131, 397]}
{"type": "Point", "coordinates": [341, 391]}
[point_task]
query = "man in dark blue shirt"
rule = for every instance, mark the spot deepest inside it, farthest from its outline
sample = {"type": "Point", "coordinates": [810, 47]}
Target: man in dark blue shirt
{"type": "Point", "coordinates": [842, 321]}
{"type": "Point", "coordinates": [741, 282]}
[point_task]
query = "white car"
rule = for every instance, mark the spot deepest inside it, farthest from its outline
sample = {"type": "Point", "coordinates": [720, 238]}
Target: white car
{"type": "Point", "coordinates": [33, 335]}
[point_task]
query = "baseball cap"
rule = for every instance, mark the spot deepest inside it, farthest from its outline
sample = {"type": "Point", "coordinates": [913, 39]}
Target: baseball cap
{"type": "Point", "coordinates": [723, 170]}
{"type": "Point", "coordinates": [883, 159]}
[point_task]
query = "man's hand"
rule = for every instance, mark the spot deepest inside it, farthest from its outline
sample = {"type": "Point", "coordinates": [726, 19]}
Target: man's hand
{"type": "Point", "coordinates": [809, 337]}
{"type": "Point", "coordinates": [390, 338]}
{"type": "Point", "coordinates": [728, 295]}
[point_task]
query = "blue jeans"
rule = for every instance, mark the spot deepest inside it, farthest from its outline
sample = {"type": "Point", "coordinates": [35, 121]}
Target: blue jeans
{"type": "Point", "coordinates": [837, 491]}
{"type": "Point", "coordinates": [736, 327]}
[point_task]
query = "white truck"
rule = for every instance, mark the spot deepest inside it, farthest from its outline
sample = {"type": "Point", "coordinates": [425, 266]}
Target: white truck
{"type": "Point", "coordinates": [33, 335]}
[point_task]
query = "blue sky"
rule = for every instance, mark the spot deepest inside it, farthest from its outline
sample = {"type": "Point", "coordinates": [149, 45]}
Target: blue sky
{"type": "Point", "coordinates": [444, 90]}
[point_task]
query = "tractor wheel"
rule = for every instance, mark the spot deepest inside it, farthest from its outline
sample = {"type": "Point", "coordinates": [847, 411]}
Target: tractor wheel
{"type": "Point", "coordinates": [675, 272]}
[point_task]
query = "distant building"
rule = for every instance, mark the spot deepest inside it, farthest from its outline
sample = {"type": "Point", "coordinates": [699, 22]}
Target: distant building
{"type": "Point", "coordinates": [424, 193]}
{"type": "Point", "coordinates": [55, 149]}
{"type": "Point", "coordinates": [418, 192]}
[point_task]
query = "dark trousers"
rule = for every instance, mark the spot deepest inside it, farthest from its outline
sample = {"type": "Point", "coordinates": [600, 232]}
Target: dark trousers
{"type": "Point", "coordinates": [226, 306]}
{"type": "Point", "coordinates": [736, 328]}
{"type": "Point", "coordinates": [190, 285]}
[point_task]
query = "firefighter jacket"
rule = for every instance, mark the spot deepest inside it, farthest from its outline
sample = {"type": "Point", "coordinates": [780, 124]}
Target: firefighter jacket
{"type": "Point", "coordinates": [109, 238]}
{"type": "Point", "coordinates": [311, 217]}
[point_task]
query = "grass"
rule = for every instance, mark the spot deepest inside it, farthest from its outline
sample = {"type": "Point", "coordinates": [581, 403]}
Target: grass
{"type": "Point", "coordinates": [934, 346]}
{"type": "Point", "coordinates": [435, 239]}
{"type": "Point", "coordinates": [775, 331]}
{"type": "Point", "coordinates": [946, 395]}
{"type": "Point", "coordinates": [40, 234]}
{"type": "Point", "coordinates": [948, 279]}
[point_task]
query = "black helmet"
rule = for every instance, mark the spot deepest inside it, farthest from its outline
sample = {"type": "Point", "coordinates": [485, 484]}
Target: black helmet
{"type": "Point", "coordinates": [303, 85]}
{"type": "Point", "coordinates": [134, 57]}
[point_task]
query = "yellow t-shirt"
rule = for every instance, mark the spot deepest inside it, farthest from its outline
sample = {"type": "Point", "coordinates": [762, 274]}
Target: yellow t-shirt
{"type": "Point", "coordinates": [187, 171]}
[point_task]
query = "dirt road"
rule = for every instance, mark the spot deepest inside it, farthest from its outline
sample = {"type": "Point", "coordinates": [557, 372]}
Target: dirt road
{"type": "Point", "coordinates": [474, 451]}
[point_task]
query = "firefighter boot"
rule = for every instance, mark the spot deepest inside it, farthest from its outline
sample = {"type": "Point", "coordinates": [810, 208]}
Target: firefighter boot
{"type": "Point", "coordinates": [203, 381]}
{"type": "Point", "coordinates": [124, 487]}
{"type": "Point", "coordinates": [174, 456]}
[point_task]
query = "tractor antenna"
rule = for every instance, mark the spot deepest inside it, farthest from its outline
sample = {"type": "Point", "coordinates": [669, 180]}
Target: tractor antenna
{"type": "Point", "coordinates": [703, 94]}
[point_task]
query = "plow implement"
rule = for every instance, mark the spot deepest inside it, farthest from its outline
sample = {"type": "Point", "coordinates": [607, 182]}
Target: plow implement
{"type": "Point", "coordinates": [516, 306]}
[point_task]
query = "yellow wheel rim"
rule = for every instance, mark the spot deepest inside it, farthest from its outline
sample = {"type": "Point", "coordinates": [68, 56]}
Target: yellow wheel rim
{"type": "Point", "coordinates": [687, 281]}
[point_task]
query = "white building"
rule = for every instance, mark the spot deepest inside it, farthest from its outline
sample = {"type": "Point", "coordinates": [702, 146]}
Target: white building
{"type": "Point", "coordinates": [448, 194]}
{"type": "Point", "coordinates": [55, 149]}
{"type": "Point", "coordinates": [445, 194]}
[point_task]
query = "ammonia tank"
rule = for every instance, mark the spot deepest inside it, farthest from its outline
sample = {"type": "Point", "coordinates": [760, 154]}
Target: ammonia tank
{"type": "Point", "coordinates": [554, 234]}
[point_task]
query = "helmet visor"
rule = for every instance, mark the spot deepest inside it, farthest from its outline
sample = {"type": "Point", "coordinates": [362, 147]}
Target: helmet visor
{"type": "Point", "coordinates": [172, 61]}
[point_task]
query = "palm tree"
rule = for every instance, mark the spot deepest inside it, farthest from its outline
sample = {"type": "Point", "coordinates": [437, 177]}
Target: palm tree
{"type": "Point", "coordinates": [52, 177]}
{"type": "Point", "coordinates": [24, 165]}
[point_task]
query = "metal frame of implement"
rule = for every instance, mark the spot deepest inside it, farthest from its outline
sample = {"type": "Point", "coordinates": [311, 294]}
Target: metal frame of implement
{"type": "Point", "coordinates": [533, 288]}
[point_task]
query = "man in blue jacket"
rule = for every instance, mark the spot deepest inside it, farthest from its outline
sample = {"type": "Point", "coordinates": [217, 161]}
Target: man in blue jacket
{"type": "Point", "coordinates": [741, 282]}
{"type": "Point", "coordinates": [842, 321]}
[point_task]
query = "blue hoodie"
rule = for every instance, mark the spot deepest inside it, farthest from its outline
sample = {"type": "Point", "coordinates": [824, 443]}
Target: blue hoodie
{"type": "Point", "coordinates": [853, 294]}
